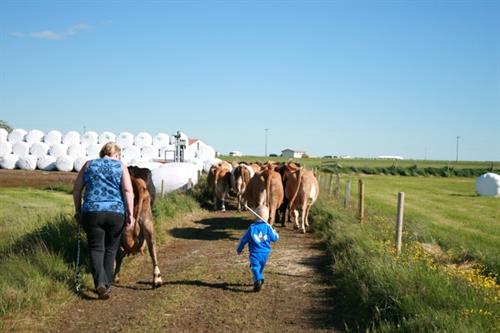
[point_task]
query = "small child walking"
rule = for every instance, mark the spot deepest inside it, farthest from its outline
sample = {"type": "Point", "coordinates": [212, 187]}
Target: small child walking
{"type": "Point", "coordinates": [259, 237]}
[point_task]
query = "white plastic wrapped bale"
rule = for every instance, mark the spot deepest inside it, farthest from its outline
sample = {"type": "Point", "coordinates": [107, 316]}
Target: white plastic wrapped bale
{"type": "Point", "coordinates": [190, 153]}
{"type": "Point", "coordinates": [21, 149]}
{"type": "Point", "coordinates": [197, 163]}
{"type": "Point", "coordinates": [174, 176]}
{"type": "Point", "coordinates": [206, 153]}
{"type": "Point", "coordinates": [208, 164]}
{"type": "Point", "coordinates": [149, 152]}
{"type": "Point", "coordinates": [147, 165]}
{"type": "Point", "coordinates": [39, 149]}
{"type": "Point", "coordinates": [488, 184]}
{"type": "Point", "coordinates": [89, 138]}
{"type": "Point", "coordinates": [79, 163]}
{"type": "Point", "coordinates": [34, 135]}
{"type": "Point", "coordinates": [58, 149]}
{"type": "Point", "coordinates": [161, 140]}
{"type": "Point", "coordinates": [16, 135]}
{"type": "Point", "coordinates": [65, 163]}
{"type": "Point", "coordinates": [3, 135]}
{"type": "Point", "coordinates": [52, 137]}
{"type": "Point", "coordinates": [5, 148]}
{"type": "Point", "coordinates": [93, 151]}
{"type": "Point", "coordinates": [143, 139]}
{"type": "Point", "coordinates": [130, 153]}
{"type": "Point", "coordinates": [71, 138]}
{"type": "Point", "coordinates": [8, 161]}
{"type": "Point", "coordinates": [125, 139]}
{"type": "Point", "coordinates": [46, 163]}
{"type": "Point", "coordinates": [77, 150]}
{"type": "Point", "coordinates": [27, 162]}
{"type": "Point", "coordinates": [167, 152]}
{"type": "Point", "coordinates": [106, 137]}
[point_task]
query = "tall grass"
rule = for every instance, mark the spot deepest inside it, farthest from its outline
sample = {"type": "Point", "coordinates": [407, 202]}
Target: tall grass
{"type": "Point", "coordinates": [381, 292]}
{"type": "Point", "coordinates": [37, 253]}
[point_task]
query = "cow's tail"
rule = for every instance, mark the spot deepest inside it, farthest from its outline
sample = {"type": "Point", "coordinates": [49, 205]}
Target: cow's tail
{"type": "Point", "coordinates": [268, 189]}
{"type": "Point", "coordinates": [299, 180]}
{"type": "Point", "coordinates": [137, 213]}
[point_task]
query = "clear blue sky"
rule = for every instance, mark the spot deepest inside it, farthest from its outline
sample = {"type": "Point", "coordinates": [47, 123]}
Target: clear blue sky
{"type": "Point", "coordinates": [359, 78]}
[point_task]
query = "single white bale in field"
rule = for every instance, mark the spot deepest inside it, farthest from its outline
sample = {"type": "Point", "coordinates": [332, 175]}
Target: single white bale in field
{"type": "Point", "coordinates": [34, 135]}
{"type": "Point", "coordinates": [58, 149]}
{"type": "Point", "coordinates": [39, 149]}
{"type": "Point", "coordinates": [27, 162]}
{"type": "Point", "coordinates": [167, 152]}
{"type": "Point", "coordinates": [52, 137]}
{"type": "Point", "coordinates": [488, 184]}
{"type": "Point", "coordinates": [174, 176]}
{"type": "Point", "coordinates": [65, 163]}
{"type": "Point", "coordinates": [93, 151]}
{"type": "Point", "coordinates": [3, 135]}
{"type": "Point", "coordinates": [149, 152]}
{"type": "Point", "coordinates": [17, 135]}
{"type": "Point", "coordinates": [21, 148]}
{"type": "Point", "coordinates": [208, 164]}
{"type": "Point", "coordinates": [161, 139]}
{"type": "Point", "coordinates": [8, 161]}
{"type": "Point", "coordinates": [46, 163]}
{"type": "Point", "coordinates": [77, 150]}
{"type": "Point", "coordinates": [71, 138]}
{"type": "Point", "coordinates": [125, 139]}
{"type": "Point", "coordinates": [79, 163]}
{"type": "Point", "coordinates": [106, 137]}
{"type": "Point", "coordinates": [89, 138]}
{"type": "Point", "coordinates": [143, 139]}
{"type": "Point", "coordinates": [5, 148]}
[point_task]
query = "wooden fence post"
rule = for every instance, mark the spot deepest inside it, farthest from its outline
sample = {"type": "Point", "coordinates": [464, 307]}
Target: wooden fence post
{"type": "Point", "coordinates": [347, 193]}
{"type": "Point", "coordinates": [399, 221]}
{"type": "Point", "coordinates": [161, 195]}
{"type": "Point", "coordinates": [330, 184]}
{"type": "Point", "coordinates": [337, 188]}
{"type": "Point", "coordinates": [361, 199]}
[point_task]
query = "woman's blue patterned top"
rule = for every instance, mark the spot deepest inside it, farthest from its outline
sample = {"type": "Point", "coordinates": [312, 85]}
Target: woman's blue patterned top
{"type": "Point", "coordinates": [103, 190]}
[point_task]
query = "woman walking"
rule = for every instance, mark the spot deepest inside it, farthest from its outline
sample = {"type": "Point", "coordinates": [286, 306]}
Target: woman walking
{"type": "Point", "coordinates": [108, 204]}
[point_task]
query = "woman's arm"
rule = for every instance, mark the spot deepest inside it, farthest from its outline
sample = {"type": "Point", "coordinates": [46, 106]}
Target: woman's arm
{"type": "Point", "coordinates": [77, 193]}
{"type": "Point", "coordinates": [128, 194]}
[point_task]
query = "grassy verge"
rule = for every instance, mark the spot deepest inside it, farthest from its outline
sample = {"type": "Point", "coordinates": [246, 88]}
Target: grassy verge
{"type": "Point", "coordinates": [37, 254]}
{"type": "Point", "coordinates": [379, 291]}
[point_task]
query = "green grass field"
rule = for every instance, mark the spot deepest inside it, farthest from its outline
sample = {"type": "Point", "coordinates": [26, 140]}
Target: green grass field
{"type": "Point", "coordinates": [445, 211]}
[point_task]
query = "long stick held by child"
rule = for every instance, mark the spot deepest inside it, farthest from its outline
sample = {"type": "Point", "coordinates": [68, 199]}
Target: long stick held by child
{"type": "Point", "coordinates": [256, 214]}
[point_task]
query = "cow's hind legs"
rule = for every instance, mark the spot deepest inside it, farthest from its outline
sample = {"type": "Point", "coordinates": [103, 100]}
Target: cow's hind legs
{"type": "Point", "coordinates": [118, 264]}
{"type": "Point", "coordinates": [150, 239]}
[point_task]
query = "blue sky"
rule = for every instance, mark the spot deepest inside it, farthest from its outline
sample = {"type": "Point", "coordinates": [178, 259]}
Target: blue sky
{"type": "Point", "coordinates": [358, 78]}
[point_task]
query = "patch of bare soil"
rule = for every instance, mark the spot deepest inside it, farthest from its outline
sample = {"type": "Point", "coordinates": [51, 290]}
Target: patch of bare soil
{"type": "Point", "coordinates": [35, 178]}
{"type": "Point", "coordinates": [208, 288]}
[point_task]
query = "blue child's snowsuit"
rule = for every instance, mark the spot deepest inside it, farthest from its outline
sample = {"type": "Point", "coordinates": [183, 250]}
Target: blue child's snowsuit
{"type": "Point", "coordinates": [259, 237]}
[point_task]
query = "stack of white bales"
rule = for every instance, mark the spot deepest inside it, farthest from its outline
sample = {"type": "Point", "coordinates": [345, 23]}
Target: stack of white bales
{"type": "Point", "coordinates": [69, 151]}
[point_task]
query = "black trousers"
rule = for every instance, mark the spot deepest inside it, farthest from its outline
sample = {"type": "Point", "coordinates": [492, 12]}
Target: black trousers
{"type": "Point", "coordinates": [104, 230]}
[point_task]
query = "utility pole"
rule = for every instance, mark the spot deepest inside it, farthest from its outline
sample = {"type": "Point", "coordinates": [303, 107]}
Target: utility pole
{"type": "Point", "coordinates": [265, 151]}
{"type": "Point", "coordinates": [458, 138]}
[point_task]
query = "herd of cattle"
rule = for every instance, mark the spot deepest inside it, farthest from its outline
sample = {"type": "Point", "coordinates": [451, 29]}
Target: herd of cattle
{"type": "Point", "coordinates": [281, 187]}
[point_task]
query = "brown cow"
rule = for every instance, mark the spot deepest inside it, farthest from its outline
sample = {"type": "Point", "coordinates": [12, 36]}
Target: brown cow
{"type": "Point", "coordinates": [285, 169]}
{"type": "Point", "coordinates": [133, 240]}
{"type": "Point", "coordinates": [265, 188]}
{"type": "Point", "coordinates": [219, 182]}
{"type": "Point", "coordinates": [240, 177]}
{"type": "Point", "coordinates": [305, 188]}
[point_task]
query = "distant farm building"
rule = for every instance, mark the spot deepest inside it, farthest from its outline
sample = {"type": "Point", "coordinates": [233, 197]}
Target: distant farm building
{"type": "Point", "coordinates": [290, 153]}
{"type": "Point", "coordinates": [235, 153]}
